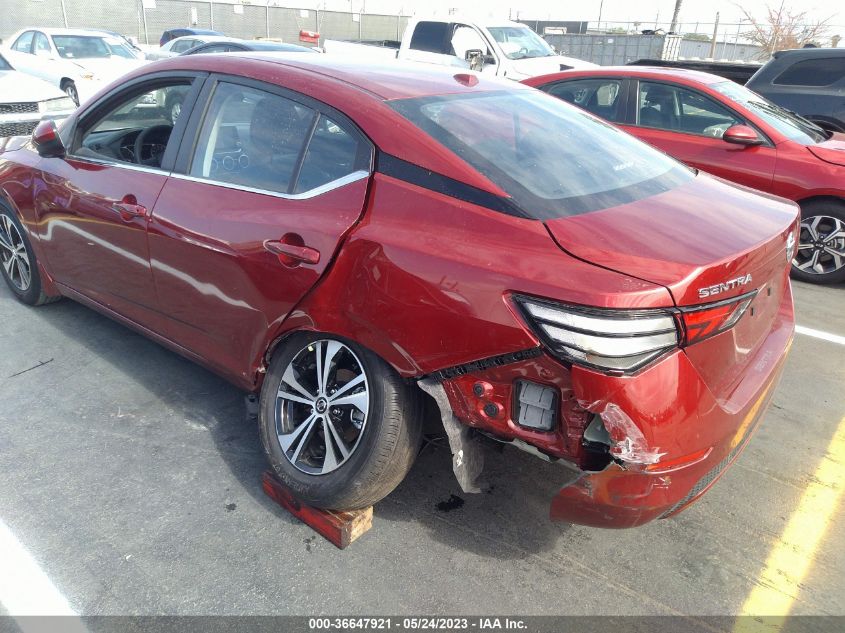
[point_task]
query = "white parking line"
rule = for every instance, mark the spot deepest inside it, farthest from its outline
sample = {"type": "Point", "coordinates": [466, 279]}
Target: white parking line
{"type": "Point", "coordinates": [24, 587]}
{"type": "Point", "coordinates": [825, 336]}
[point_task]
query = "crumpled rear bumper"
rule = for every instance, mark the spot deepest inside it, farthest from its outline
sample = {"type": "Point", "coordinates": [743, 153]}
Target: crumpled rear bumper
{"type": "Point", "coordinates": [673, 429]}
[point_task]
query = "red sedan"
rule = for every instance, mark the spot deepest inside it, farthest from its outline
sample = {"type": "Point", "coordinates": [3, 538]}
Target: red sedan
{"type": "Point", "coordinates": [725, 129]}
{"type": "Point", "coordinates": [357, 243]}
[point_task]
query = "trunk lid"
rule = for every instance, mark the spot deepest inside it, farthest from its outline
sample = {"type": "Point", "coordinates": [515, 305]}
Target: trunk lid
{"type": "Point", "coordinates": [705, 241]}
{"type": "Point", "coordinates": [697, 240]}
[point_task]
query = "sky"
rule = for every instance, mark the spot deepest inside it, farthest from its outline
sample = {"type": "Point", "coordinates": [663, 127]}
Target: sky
{"type": "Point", "coordinates": [645, 11]}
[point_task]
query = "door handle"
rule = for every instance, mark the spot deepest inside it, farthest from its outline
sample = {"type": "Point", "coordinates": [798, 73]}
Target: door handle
{"type": "Point", "coordinates": [292, 254]}
{"type": "Point", "coordinates": [128, 208]}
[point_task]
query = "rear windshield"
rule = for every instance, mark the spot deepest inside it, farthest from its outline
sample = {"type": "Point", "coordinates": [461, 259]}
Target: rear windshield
{"type": "Point", "coordinates": [553, 159]}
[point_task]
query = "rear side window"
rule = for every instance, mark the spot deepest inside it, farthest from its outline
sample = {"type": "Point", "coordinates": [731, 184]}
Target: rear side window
{"type": "Point", "coordinates": [332, 154]}
{"type": "Point", "coordinates": [431, 37]}
{"type": "Point", "coordinates": [252, 138]}
{"type": "Point", "coordinates": [183, 45]}
{"type": "Point", "coordinates": [263, 141]}
{"type": "Point", "coordinates": [552, 159]}
{"type": "Point", "coordinates": [602, 97]}
{"type": "Point", "coordinates": [813, 72]}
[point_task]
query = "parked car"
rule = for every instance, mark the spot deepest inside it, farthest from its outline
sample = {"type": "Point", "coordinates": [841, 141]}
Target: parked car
{"type": "Point", "coordinates": [357, 244]}
{"type": "Point", "coordinates": [234, 45]}
{"type": "Point", "coordinates": [809, 81]}
{"type": "Point", "coordinates": [729, 131]}
{"type": "Point", "coordinates": [172, 34]}
{"type": "Point", "coordinates": [497, 47]}
{"type": "Point", "coordinates": [181, 45]}
{"type": "Point", "coordinates": [25, 101]}
{"type": "Point", "coordinates": [78, 61]}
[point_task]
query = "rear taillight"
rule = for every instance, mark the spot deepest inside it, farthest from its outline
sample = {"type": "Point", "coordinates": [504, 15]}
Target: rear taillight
{"type": "Point", "coordinates": [617, 341]}
{"type": "Point", "coordinates": [623, 341]}
{"type": "Point", "coordinates": [702, 322]}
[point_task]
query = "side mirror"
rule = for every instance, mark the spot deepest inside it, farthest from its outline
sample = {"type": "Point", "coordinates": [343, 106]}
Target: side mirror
{"type": "Point", "coordinates": [47, 141]}
{"type": "Point", "coordinates": [742, 135]}
{"type": "Point", "coordinates": [472, 53]}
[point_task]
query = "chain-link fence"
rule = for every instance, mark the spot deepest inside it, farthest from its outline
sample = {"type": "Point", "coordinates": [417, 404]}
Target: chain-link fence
{"type": "Point", "coordinates": [148, 19]}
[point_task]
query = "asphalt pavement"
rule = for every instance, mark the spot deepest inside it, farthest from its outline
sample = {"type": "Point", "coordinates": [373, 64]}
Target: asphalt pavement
{"type": "Point", "coordinates": [132, 478]}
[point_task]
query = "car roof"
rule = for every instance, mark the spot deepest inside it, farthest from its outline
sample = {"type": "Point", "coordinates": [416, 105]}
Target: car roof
{"type": "Point", "coordinates": [207, 39]}
{"type": "Point", "coordinates": [79, 32]}
{"type": "Point", "coordinates": [649, 72]}
{"type": "Point", "coordinates": [384, 80]}
{"type": "Point", "coordinates": [255, 45]}
{"type": "Point", "coordinates": [810, 52]}
{"type": "Point", "coordinates": [193, 31]}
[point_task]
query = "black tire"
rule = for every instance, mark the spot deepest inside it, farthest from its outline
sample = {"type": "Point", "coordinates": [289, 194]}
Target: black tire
{"type": "Point", "coordinates": [69, 89]}
{"type": "Point", "coordinates": [387, 442]}
{"type": "Point", "coordinates": [21, 275]}
{"type": "Point", "coordinates": [825, 218]}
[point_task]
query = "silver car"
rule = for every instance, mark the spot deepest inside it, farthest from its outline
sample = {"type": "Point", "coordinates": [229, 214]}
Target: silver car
{"type": "Point", "coordinates": [25, 101]}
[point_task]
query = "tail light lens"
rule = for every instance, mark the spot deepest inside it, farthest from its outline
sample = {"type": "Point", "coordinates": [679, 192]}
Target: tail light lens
{"type": "Point", "coordinates": [623, 341]}
{"type": "Point", "coordinates": [618, 341]}
{"type": "Point", "coordinates": [709, 320]}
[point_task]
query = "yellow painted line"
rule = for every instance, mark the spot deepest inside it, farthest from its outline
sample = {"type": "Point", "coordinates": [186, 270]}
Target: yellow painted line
{"type": "Point", "coordinates": [793, 554]}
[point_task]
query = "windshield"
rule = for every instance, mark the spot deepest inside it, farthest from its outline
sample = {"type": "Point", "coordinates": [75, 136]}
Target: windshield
{"type": "Point", "coordinates": [553, 159]}
{"type": "Point", "coordinates": [791, 125]}
{"type": "Point", "coordinates": [84, 46]}
{"type": "Point", "coordinates": [519, 42]}
{"type": "Point", "coordinates": [4, 65]}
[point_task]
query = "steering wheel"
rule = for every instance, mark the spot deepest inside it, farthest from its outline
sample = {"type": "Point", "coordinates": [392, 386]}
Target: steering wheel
{"type": "Point", "coordinates": [144, 137]}
{"type": "Point", "coordinates": [523, 51]}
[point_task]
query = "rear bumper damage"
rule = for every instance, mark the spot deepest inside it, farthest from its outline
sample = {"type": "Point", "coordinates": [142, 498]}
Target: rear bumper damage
{"type": "Point", "coordinates": [664, 437]}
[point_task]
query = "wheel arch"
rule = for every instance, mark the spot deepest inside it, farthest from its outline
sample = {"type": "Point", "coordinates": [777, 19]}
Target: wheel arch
{"type": "Point", "coordinates": [821, 198]}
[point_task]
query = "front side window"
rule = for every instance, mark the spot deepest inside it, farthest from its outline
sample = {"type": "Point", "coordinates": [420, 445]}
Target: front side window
{"type": "Point", "coordinates": [813, 72]}
{"type": "Point", "coordinates": [677, 109]}
{"type": "Point", "coordinates": [24, 43]}
{"type": "Point", "coordinates": [259, 140]}
{"type": "Point", "coordinates": [602, 97]}
{"type": "Point", "coordinates": [42, 45]}
{"type": "Point", "coordinates": [520, 42]}
{"type": "Point", "coordinates": [552, 159]}
{"type": "Point", "coordinates": [4, 65]}
{"type": "Point", "coordinates": [137, 130]}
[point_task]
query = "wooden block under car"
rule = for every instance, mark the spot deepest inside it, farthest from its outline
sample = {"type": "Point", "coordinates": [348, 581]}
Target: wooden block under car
{"type": "Point", "coordinates": [341, 528]}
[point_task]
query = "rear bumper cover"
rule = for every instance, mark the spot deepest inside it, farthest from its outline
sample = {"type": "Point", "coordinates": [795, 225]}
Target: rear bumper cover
{"type": "Point", "coordinates": [672, 437]}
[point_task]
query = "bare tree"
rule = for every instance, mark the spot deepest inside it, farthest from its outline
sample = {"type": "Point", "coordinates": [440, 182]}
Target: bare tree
{"type": "Point", "coordinates": [674, 26]}
{"type": "Point", "coordinates": [782, 29]}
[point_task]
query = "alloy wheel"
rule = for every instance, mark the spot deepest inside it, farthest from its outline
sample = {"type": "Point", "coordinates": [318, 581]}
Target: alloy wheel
{"type": "Point", "coordinates": [13, 255]}
{"type": "Point", "coordinates": [821, 246]}
{"type": "Point", "coordinates": [321, 407]}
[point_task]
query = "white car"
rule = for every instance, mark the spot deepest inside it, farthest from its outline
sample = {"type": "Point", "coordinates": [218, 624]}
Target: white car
{"type": "Point", "coordinates": [25, 101]}
{"type": "Point", "coordinates": [78, 61]}
{"type": "Point", "coordinates": [183, 44]}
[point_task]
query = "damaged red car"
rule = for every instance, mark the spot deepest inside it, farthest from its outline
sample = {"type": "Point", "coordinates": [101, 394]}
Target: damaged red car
{"type": "Point", "coordinates": [355, 244]}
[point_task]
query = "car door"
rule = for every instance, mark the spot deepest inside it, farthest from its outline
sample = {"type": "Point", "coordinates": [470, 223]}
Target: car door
{"type": "Point", "coordinates": [24, 59]}
{"type": "Point", "coordinates": [252, 216]}
{"type": "Point", "coordinates": [93, 205]}
{"type": "Point", "coordinates": [688, 125]}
